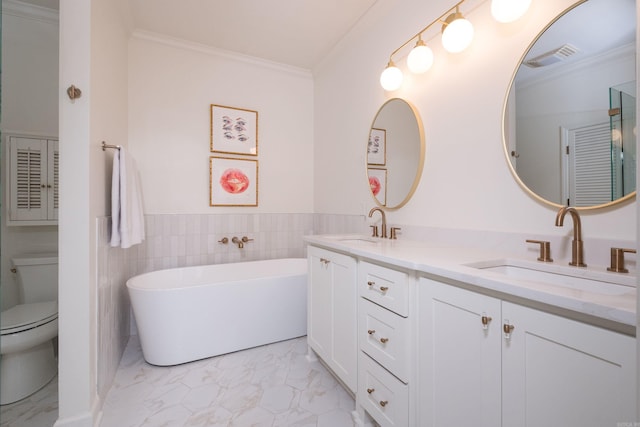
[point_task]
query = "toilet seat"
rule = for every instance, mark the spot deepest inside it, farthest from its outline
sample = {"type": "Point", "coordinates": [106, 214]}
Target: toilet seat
{"type": "Point", "coordinates": [23, 317]}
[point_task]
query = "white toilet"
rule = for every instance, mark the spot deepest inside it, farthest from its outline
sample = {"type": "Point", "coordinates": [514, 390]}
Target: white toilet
{"type": "Point", "coordinates": [28, 356]}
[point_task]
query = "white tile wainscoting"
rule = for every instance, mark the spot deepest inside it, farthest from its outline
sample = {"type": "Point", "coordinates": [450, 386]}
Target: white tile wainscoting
{"type": "Point", "coordinates": [183, 240]}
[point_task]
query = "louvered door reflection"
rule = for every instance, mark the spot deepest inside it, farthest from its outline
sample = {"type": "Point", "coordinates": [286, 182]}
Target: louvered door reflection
{"type": "Point", "coordinates": [33, 181]}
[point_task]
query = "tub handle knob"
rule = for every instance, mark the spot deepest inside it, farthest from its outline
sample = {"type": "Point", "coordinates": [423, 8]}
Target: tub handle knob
{"type": "Point", "coordinates": [224, 240]}
{"type": "Point", "coordinates": [246, 239]}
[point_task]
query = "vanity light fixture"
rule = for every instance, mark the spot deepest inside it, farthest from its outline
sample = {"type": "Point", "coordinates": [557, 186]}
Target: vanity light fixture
{"type": "Point", "coordinates": [457, 35]}
{"type": "Point", "coordinates": [391, 77]}
{"type": "Point", "coordinates": [420, 58]}
{"type": "Point", "coordinates": [457, 32]}
{"type": "Point", "coordinates": [509, 10]}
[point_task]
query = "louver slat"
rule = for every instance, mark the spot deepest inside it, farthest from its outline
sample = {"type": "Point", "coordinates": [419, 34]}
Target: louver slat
{"type": "Point", "coordinates": [29, 178]}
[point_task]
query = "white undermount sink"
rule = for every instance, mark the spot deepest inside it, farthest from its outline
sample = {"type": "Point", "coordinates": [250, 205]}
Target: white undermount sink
{"type": "Point", "coordinates": [354, 239]}
{"type": "Point", "coordinates": [578, 278]}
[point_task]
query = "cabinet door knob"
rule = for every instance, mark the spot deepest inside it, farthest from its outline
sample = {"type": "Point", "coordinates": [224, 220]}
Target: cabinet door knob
{"type": "Point", "coordinates": [485, 321]}
{"type": "Point", "coordinates": [384, 288]}
{"type": "Point", "coordinates": [371, 390]}
{"type": "Point", "coordinates": [371, 331]}
{"type": "Point", "coordinates": [507, 329]}
{"type": "Point", "coordinates": [384, 340]}
{"type": "Point", "coordinates": [384, 403]}
{"type": "Point", "coordinates": [370, 283]}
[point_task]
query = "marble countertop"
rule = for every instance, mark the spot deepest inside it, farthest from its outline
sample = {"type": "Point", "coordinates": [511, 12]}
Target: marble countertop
{"type": "Point", "coordinates": [611, 304]}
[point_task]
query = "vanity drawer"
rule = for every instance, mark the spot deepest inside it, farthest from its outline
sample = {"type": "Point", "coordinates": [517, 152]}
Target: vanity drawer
{"type": "Point", "coordinates": [384, 397]}
{"type": "Point", "coordinates": [384, 286]}
{"type": "Point", "coordinates": [384, 336]}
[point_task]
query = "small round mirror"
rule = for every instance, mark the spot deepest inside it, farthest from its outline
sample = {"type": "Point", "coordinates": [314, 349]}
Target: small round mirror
{"type": "Point", "coordinates": [570, 115]}
{"type": "Point", "coordinates": [395, 153]}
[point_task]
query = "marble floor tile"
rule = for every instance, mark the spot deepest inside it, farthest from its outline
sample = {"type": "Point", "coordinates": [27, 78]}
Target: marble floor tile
{"type": "Point", "coordinates": [271, 386]}
{"type": "Point", "coordinates": [38, 410]}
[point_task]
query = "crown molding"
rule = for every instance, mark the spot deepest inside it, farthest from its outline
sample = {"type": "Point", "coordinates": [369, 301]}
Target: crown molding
{"type": "Point", "coordinates": [208, 50]}
{"type": "Point", "coordinates": [30, 11]}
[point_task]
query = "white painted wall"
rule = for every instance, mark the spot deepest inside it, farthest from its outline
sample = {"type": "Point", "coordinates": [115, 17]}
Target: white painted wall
{"type": "Point", "coordinates": [29, 106]}
{"type": "Point", "coordinates": [93, 56]}
{"type": "Point", "coordinates": [466, 183]}
{"type": "Point", "coordinates": [173, 84]}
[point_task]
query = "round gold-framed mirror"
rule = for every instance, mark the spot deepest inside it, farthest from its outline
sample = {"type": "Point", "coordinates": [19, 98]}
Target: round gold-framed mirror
{"type": "Point", "coordinates": [395, 154]}
{"type": "Point", "coordinates": [569, 122]}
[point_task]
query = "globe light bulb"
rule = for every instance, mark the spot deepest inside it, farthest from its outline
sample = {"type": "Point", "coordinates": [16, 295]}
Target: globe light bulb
{"type": "Point", "coordinates": [509, 10]}
{"type": "Point", "coordinates": [391, 77]}
{"type": "Point", "coordinates": [420, 58]}
{"type": "Point", "coordinates": [457, 33]}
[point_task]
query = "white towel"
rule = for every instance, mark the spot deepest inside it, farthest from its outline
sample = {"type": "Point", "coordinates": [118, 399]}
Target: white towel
{"type": "Point", "coordinates": [127, 217]}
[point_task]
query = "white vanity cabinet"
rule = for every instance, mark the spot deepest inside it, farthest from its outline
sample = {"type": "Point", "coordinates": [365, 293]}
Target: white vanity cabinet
{"type": "Point", "coordinates": [558, 371]}
{"type": "Point", "coordinates": [331, 312]}
{"type": "Point", "coordinates": [487, 362]}
{"type": "Point", "coordinates": [386, 342]}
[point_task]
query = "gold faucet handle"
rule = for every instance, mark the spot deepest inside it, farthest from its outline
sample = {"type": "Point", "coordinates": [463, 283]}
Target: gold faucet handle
{"type": "Point", "coordinates": [617, 259]}
{"type": "Point", "coordinates": [224, 240]}
{"type": "Point", "coordinates": [394, 232]}
{"type": "Point", "coordinates": [245, 239]}
{"type": "Point", "coordinates": [374, 230]}
{"type": "Point", "coordinates": [545, 250]}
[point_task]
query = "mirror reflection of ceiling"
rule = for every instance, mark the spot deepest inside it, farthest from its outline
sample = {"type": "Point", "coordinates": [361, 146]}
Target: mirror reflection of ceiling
{"type": "Point", "coordinates": [593, 28]}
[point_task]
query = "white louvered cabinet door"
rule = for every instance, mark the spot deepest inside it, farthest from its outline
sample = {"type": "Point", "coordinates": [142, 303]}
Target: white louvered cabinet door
{"type": "Point", "coordinates": [32, 181]}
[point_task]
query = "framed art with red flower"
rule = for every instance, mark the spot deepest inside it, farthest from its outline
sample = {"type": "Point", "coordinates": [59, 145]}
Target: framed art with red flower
{"type": "Point", "coordinates": [378, 184]}
{"type": "Point", "coordinates": [233, 182]}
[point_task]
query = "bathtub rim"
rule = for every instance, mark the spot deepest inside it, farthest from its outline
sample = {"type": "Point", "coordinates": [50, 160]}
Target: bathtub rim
{"type": "Point", "coordinates": [132, 284]}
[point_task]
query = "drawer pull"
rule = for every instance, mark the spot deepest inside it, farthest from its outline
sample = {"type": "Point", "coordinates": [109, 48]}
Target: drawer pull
{"type": "Point", "coordinates": [370, 283]}
{"type": "Point", "coordinates": [383, 403]}
{"type": "Point", "coordinates": [384, 288]}
{"type": "Point", "coordinates": [371, 390]}
{"type": "Point", "coordinates": [382, 340]}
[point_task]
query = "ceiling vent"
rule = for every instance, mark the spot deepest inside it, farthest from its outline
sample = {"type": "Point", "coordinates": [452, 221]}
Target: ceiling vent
{"type": "Point", "coordinates": [553, 56]}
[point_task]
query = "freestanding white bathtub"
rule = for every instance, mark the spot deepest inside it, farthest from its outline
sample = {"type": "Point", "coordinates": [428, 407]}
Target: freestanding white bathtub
{"type": "Point", "coordinates": [191, 313]}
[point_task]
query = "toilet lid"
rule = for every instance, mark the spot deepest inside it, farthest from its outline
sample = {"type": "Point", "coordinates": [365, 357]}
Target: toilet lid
{"type": "Point", "coordinates": [27, 316]}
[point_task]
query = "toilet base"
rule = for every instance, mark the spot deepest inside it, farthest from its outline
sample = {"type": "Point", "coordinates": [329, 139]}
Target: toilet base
{"type": "Point", "coordinates": [24, 373]}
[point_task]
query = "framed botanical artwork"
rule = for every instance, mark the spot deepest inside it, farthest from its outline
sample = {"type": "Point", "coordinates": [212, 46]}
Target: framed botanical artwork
{"type": "Point", "coordinates": [233, 182]}
{"type": "Point", "coordinates": [234, 130]}
{"type": "Point", "coordinates": [377, 147]}
{"type": "Point", "coordinates": [378, 184]}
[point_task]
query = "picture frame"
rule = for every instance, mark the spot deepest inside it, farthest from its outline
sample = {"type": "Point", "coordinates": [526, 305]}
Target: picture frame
{"type": "Point", "coordinates": [377, 147]}
{"type": "Point", "coordinates": [233, 182]}
{"type": "Point", "coordinates": [378, 184]}
{"type": "Point", "coordinates": [234, 130]}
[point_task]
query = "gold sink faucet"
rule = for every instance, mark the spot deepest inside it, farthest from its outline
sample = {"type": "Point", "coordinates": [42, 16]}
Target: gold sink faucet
{"type": "Point", "coordinates": [384, 221]}
{"type": "Point", "coordinates": [577, 255]}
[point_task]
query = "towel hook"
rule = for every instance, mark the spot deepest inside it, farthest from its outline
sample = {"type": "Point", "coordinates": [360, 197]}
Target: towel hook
{"type": "Point", "coordinates": [74, 92]}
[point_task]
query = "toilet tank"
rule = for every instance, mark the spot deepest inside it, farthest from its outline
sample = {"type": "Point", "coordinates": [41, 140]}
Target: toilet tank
{"type": "Point", "coordinates": [37, 276]}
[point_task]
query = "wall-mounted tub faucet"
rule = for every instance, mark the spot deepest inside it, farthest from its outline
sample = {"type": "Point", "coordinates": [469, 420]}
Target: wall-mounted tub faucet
{"type": "Point", "coordinates": [238, 242]}
{"type": "Point", "coordinates": [576, 245]}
